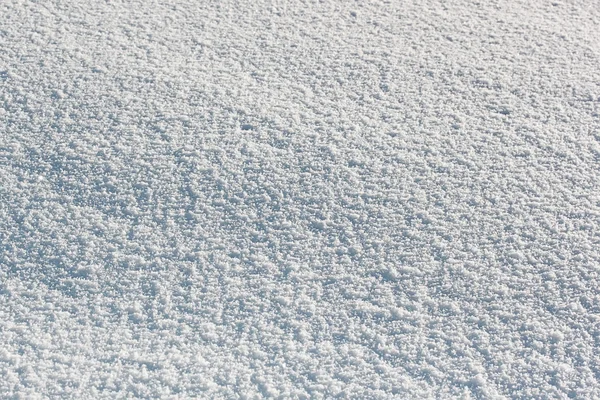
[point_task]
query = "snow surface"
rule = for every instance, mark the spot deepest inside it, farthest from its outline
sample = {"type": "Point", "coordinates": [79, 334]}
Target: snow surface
{"type": "Point", "coordinates": [300, 199]}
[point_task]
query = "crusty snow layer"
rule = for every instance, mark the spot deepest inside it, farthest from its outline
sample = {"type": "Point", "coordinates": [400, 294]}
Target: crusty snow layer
{"type": "Point", "coordinates": [301, 199]}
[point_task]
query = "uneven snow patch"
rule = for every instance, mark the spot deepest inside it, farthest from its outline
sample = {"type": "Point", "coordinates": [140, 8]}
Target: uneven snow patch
{"type": "Point", "coordinates": [326, 199]}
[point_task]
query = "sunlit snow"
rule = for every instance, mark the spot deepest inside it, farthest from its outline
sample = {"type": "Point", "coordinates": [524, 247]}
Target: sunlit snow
{"type": "Point", "coordinates": [300, 199]}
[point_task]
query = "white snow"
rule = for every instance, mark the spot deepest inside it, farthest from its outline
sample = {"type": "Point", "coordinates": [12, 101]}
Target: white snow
{"type": "Point", "coordinates": [313, 199]}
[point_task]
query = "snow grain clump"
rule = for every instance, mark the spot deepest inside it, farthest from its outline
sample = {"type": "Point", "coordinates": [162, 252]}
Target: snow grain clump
{"type": "Point", "coordinates": [317, 200]}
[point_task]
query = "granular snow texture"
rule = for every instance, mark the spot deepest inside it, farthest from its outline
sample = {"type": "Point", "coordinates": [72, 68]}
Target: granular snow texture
{"type": "Point", "coordinates": [300, 199]}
